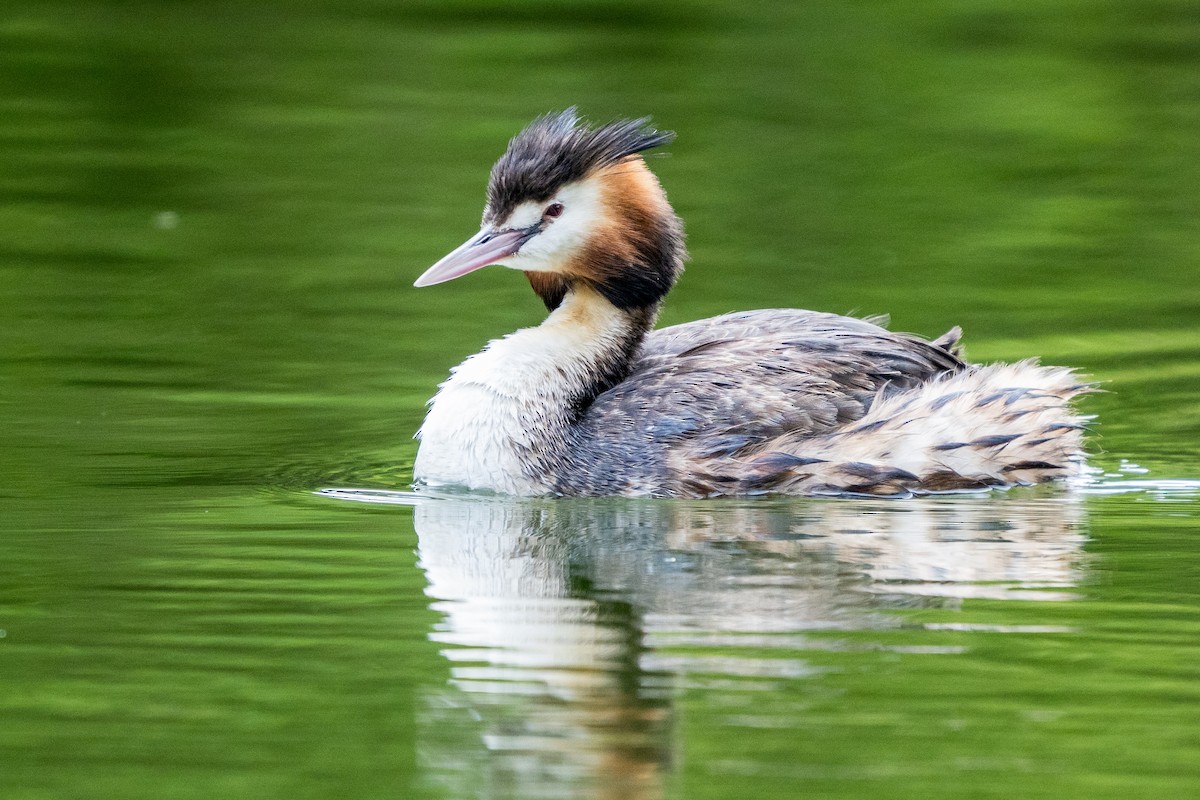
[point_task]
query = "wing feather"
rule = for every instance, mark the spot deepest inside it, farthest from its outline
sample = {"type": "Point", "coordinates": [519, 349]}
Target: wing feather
{"type": "Point", "coordinates": [760, 374]}
{"type": "Point", "coordinates": [723, 386]}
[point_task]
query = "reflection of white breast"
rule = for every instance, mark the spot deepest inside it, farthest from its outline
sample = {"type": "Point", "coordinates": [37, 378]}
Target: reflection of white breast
{"type": "Point", "coordinates": [475, 549]}
{"type": "Point", "coordinates": [505, 593]}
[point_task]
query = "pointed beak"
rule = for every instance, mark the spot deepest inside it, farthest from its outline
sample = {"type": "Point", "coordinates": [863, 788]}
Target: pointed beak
{"type": "Point", "coordinates": [483, 249]}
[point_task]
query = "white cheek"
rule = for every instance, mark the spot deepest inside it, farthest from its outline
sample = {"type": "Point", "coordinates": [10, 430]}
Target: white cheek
{"type": "Point", "coordinates": [562, 238]}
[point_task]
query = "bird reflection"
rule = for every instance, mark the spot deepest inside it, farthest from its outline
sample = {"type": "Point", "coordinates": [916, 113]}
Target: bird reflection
{"type": "Point", "coordinates": [570, 625]}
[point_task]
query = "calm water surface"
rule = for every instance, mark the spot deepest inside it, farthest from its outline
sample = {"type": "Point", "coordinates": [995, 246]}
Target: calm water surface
{"type": "Point", "coordinates": [211, 216]}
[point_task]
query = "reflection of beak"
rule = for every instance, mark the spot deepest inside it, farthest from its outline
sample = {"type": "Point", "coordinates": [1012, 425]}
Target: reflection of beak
{"type": "Point", "coordinates": [483, 249]}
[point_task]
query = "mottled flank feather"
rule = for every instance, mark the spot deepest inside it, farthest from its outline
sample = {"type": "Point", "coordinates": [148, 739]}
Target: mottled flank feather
{"type": "Point", "coordinates": [977, 428]}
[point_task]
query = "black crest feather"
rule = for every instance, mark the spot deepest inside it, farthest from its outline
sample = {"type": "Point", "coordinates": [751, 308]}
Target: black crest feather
{"type": "Point", "coordinates": [557, 149]}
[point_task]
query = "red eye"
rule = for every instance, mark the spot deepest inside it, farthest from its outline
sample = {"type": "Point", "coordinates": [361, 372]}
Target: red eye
{"type": "Point", "coordinates": [554, 210]}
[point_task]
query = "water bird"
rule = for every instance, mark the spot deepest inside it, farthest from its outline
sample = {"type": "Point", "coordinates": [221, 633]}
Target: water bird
{"type": "Point", "coordinates": [594, 401]}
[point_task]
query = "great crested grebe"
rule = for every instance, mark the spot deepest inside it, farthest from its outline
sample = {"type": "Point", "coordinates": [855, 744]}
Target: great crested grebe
{"type": "Point", "coordinates": [593, 402]}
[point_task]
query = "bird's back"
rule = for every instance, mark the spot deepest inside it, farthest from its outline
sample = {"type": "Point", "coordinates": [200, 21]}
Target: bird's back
{"type": "Point", "coordinates": [776, 400]}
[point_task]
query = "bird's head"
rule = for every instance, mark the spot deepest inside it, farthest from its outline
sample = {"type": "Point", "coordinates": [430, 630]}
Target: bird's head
{"type": "Point", "coordinates": [571, 205]}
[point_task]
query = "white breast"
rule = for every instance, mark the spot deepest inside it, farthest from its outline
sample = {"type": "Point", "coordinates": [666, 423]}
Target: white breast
{"type": "Point", "coordinates": [504, 413]}
{"type": "Point", "coordinates": [474, 428]}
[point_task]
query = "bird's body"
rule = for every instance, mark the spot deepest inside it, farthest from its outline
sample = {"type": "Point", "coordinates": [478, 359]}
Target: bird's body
{"type": "Point", "coordinates": [592, 402]}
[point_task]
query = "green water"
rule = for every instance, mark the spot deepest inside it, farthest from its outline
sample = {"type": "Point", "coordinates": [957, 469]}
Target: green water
{"type": "Point", "coordinates": [210, 217]}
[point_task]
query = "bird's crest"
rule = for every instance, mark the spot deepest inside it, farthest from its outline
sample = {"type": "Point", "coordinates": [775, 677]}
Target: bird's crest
{"type": "Point", "coordinates": [556, 149]}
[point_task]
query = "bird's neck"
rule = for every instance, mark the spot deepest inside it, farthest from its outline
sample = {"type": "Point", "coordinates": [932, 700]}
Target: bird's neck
{"type": "Point", "coordinates": [592, 342]}
{"type": "Point", "coordinates": [504, 419]}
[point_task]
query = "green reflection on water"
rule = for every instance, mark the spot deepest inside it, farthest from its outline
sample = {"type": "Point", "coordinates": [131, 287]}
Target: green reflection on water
{"type": "Point", "coordinates": [210, 218]}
